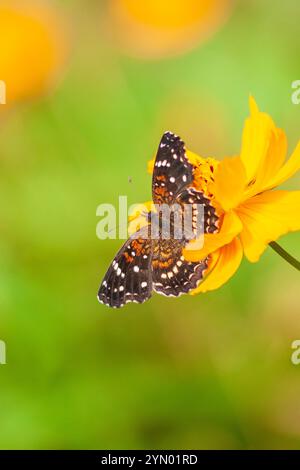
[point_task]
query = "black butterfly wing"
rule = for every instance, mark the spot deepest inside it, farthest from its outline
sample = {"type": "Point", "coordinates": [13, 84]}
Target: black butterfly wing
{"type": "Point", "coordinates": [172, 171]}
{"type": "Point", "coordinates": [172, 275]}
{"type": "Point", "coordinates": [195, 200]}
{"type": "Point", "coordinates": [128, 278]}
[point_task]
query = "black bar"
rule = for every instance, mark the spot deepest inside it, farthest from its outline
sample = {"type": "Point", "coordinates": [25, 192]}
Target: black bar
{"type": "Point", "coordinates": [140, 458]}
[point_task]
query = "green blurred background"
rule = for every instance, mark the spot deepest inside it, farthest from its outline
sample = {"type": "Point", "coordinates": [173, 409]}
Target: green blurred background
{"type": "Point", "coordinates": [206, 372]}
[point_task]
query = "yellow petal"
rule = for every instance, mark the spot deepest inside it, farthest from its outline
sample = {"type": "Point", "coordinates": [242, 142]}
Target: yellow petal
{"type": "Point", "coordinates": [194, 159]}
{"type": "Point", "coordinates": [230, 182]}
{"type": "Point", "coordinates": [255, 140]}
{"type": "Point", "coordinates": [225, 264]}
{"type": "Point", "coordinates": [286, 171]}
{"type": "Point", "coordinates": [231, 227]}
{"type": "Point", "coordinates": [266, 217]}
{"type": "Point", "coordinates": [270, 165]}
{"type": "Point", "coordinates": [150, 166]}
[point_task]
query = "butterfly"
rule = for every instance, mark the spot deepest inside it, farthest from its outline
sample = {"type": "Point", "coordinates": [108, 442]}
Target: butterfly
{"type": "Point", "coordinates": [145, 264]}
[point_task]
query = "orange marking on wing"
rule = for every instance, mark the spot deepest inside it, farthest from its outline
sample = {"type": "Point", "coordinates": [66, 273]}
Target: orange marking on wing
{"type": "Point", "coordinates": [128, 258]}
{"type": "Point", "coordinates": [161, 192]}
{"type": "Point", "coordinates": [137, 246]}
{"type": "Point", "coordinates": [162, 264]}
{"type": "Point", "coordinates": [161, 178]}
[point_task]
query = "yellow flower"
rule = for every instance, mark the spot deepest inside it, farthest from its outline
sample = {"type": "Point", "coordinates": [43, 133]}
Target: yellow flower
{"type": "Point", "coordinates": [242, 189]}
{"type": "Point", "coordinates": [32, 48]}
{"type": "Point", "coordinates": [251, 213]}
{"type": "Point", "coordinates": [157, 28]}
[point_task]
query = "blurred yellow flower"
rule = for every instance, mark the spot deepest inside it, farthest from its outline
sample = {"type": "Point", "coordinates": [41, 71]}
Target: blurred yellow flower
{"type": "Point", "coordinates": [32, 48]}
{"type": "Point", "coordinates": [157, 28]}
{"type": "Point", "coordinates": [251, 214]}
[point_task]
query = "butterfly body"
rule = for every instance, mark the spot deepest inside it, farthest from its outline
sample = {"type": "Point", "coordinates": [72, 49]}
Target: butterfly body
{"type": "Point", "coordinates": [152, 259]}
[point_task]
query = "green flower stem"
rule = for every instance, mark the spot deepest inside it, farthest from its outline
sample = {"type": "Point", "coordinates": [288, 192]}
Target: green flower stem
{"type": "Point", "coordinates": [285, 255]}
